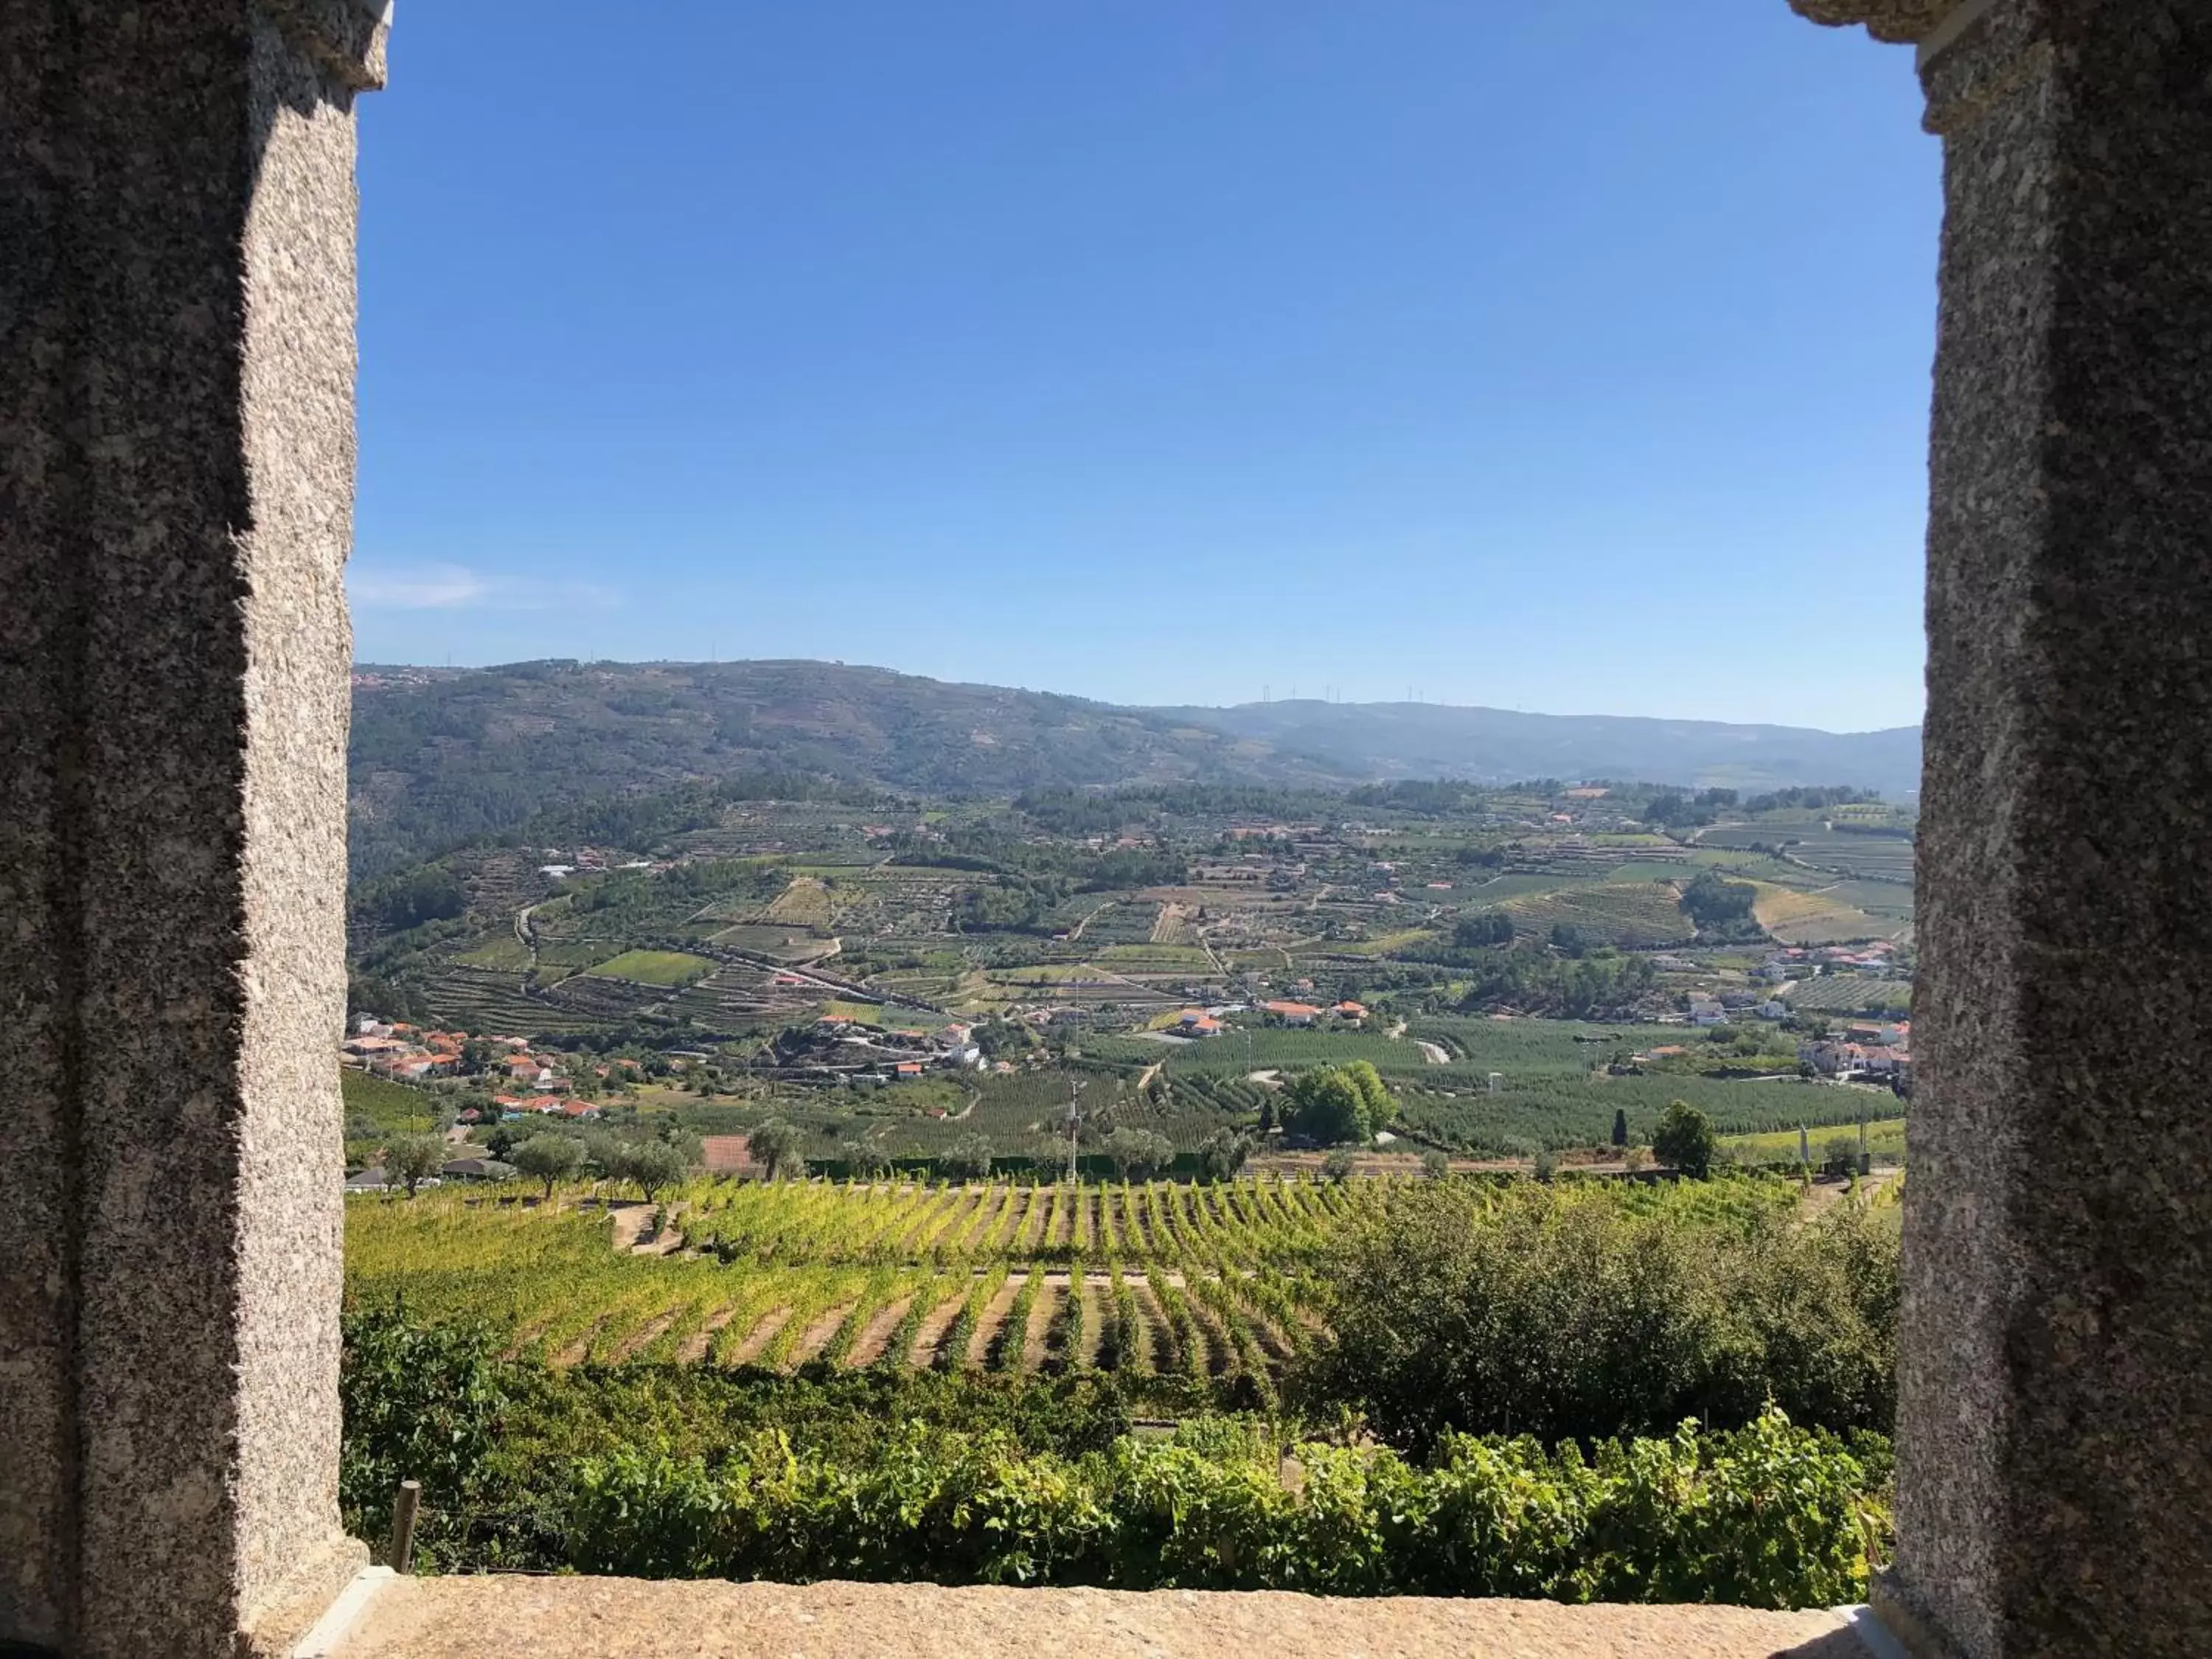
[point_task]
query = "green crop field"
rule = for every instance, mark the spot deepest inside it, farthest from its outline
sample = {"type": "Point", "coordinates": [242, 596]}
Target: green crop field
{"type": "Point", "coordinates": [653, 968]}
{"type": "Point", "coordinates": [1885, 1140]}
{"type": "Point", "coordinates": [1850, 994]}
{"type": "Point", "coordinates": [1629, 914]}
{"type": "Point", "coordinates": [501, 950]}
{"type": "Point", "coordinates": [1861, 855]}
{"type": "Point", "coordinates": [391, 1106]}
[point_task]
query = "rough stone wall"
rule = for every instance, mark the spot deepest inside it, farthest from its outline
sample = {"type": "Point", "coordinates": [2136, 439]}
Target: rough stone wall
{"type": "Point", "coordinates": [2055, 1361]}
{"type": "Point", "coordinates": [176, 361]}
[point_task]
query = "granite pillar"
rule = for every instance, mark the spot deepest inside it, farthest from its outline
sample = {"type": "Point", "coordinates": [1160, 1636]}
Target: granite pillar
{"type": "Point", "coordinates": [177, 296]}
{"type": "Point", "coordinates": [2055, 1476]}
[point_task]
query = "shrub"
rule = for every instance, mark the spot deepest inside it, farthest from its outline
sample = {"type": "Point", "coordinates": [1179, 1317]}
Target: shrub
{"type": "Point", "coordinates": [1554, 1312]}
{"type": "Point", "coordinates": [420, 1402]}
{"type": "Point", "coordinates": [1769, 1515]}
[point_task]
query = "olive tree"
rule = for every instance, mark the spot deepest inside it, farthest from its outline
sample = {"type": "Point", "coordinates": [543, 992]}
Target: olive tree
{"type": "Point", "coordinates": [548, 1157]}
{"type": "Point", "coordinates": [652, 1164]}
{"type": "Point", "coordinates": [1222, 1155]}
{"type": "Point", "coordinates": [412, 1159]}
{"type": "Point", "coordinates": [778, 1148]}
{"type": "Point", "coordinates": [1140, 1152]}
{"type": "Point", "coordinates": [969, 1159]}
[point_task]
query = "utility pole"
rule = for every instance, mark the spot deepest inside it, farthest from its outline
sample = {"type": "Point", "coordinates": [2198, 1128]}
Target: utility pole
{"type": "Point", "coordinates": [1074, 1123]}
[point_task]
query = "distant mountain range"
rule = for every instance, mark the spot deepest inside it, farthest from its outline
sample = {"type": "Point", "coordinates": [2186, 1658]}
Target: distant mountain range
{"type": "Point", "coordinates": [441, 755]}
{"type": "Point", "coordinates": [1384, 740]}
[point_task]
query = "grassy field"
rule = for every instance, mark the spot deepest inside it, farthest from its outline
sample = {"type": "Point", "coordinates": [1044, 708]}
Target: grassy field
{"type": "Point", "coordinates": [655, 968]}
{"type": "Point", "coordinates": [805, 903]}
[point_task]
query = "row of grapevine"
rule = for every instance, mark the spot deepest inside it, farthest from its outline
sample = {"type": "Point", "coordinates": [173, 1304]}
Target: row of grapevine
{"type": "Point", "coordinates": [1199, 1281]}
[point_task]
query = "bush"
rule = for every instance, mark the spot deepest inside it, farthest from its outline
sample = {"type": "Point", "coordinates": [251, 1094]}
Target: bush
{"type": "Point", "coordinates": [1554, 1312]}
{"type": "Point", "coordinates": [420, 1402]}
{"type": "Point", "coordinates": [1769, 1515]}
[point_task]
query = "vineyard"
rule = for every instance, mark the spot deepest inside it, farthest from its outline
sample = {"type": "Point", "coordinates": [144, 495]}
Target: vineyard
{"type": "Point", "coordinates": [1211, 1283]}
{"type": "Point", "coordinates": [1852, 993]}
{"type": "Point", "coordinates": [1629, 914]}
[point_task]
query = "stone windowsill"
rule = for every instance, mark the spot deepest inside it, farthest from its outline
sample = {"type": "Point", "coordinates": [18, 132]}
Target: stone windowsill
{"type": "Point", "coordinates": [569, 1618]}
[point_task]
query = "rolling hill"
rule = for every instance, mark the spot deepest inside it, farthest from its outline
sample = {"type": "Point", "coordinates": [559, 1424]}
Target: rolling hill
{"type": "Point", "coordinates": [442, 755]}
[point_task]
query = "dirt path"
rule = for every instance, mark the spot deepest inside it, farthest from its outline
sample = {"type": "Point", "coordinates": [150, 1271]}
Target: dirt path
{"type": "Point", "coordinates": [818, 1335]}
{"type": "Point", "coordinates": [987, 1326]}
{"type": "Point", "coordinates": [631, 1219]}
{"type": "Point", "coordinates": [1075, 933]}
{"type": "Point", "coordinates": [1043, 1312]}
{"type": "Point", "coordinates": [1147, 1345]}
{"type": "Point", "coordinates": [648, 1332]}
{"type": "Point", "coordinates": [1434, 1053]}
{"type": "Point", "coordinates": [693, 1349]}
{"type": "Point", "coordinates": [1095, 1309]}
{"type": "Point", "coordinates": [573, 1353]}
{"type": "Point", "coordinates": [1824, 1195]}
{"type": "Point", "coordinates": [876, 1336]}
{"type": "Point", "coordinates": [1130, 1276]}
{"type": "Point", "coordinates": [762, 1332]}
{"type": "Point", "coordinates": [935, 1324]}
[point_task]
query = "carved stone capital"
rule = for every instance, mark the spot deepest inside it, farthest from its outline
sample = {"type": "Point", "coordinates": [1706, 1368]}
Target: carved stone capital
{"type": "Point", "coordinates": [345, 37]}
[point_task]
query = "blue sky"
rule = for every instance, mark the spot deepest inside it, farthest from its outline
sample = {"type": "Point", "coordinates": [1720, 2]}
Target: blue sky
{"type": "Point", "coordinates": [1567, 358]}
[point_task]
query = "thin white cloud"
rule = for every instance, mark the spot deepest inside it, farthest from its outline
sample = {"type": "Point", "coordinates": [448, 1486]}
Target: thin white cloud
{"type": "Point", "coordinates": [416, 587]}
{"type": "Point", "coordinates": [373, 587]}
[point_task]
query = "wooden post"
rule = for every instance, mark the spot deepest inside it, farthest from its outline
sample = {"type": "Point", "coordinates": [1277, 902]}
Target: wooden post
{"type": "Point", "coordinates": [400, 1556]}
